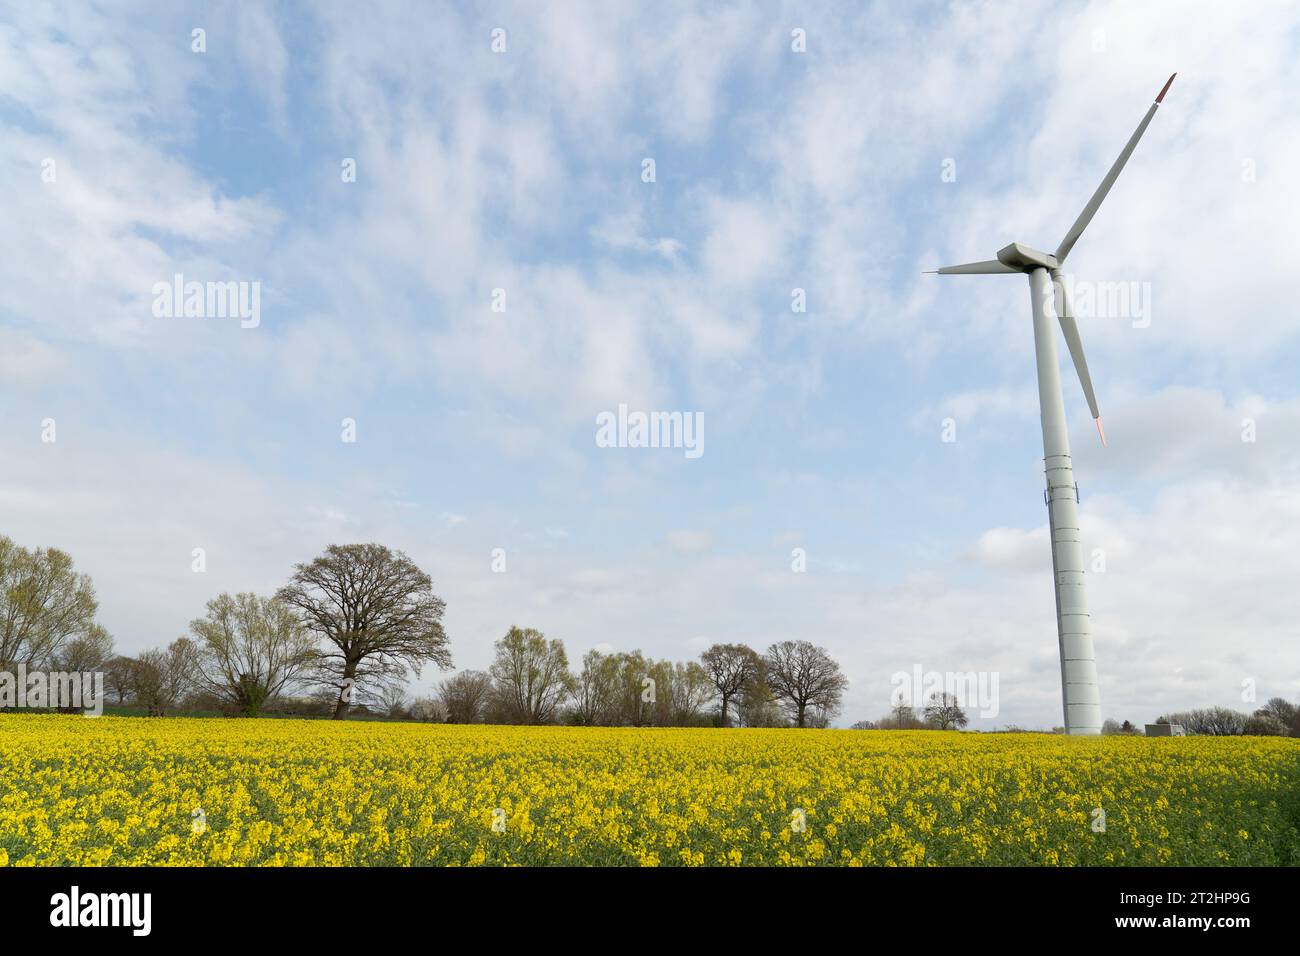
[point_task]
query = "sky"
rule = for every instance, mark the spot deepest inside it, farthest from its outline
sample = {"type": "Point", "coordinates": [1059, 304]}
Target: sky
{"type": "Point", "coordinates": [889, 431]}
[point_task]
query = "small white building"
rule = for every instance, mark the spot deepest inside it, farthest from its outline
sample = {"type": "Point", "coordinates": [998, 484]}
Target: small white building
{"type": "Point", "coordinates": [1166, 730]}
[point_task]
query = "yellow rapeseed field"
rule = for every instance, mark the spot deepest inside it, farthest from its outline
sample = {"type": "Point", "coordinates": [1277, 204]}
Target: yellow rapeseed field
{"type": "Point", "coordinates": [119, 790]}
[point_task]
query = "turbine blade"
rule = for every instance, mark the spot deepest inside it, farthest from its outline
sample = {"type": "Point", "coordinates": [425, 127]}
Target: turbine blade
{"type": "Point", "coordinates": [1070, 328]}
{"type": "Point", "coordinates": [987, 267]}
{"type": "Point", "coordinates": [1095, 202]}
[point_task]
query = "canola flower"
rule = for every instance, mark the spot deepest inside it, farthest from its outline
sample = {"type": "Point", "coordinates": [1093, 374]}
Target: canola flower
{"type": "Point", "coordinates": [135, 791]}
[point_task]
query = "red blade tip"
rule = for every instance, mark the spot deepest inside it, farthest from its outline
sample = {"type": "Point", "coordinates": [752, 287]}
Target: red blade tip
{"type": "Point", "coordinates": [1101, 431]}
{"type": "Point", "coordinates": [1168, 83]}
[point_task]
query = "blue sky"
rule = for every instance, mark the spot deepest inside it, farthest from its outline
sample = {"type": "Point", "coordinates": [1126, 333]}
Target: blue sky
{"type": "Point", "coordinates": [774, 170]}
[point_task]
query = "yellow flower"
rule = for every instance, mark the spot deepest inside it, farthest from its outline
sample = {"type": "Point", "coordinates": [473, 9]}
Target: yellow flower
{"type": "Point", "coordinates": [124, 791]}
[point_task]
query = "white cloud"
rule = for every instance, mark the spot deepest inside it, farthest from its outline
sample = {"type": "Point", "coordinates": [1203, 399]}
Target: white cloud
{"type": "Point", "coordinates": [1013, 549]}
{"type": "Point", "coordinates": [746, 242]}
{"type": "Point", "coordinates": [624, 230]}
{"type": "Point", "coordinates": [1001, 403]}
{"type": "Point", "coordinates": [689, 542]}
{"type": "Point", "coordinates": [27, 361]}
{"type": "Point", "coordinates": [87, 244]}
{"type": "Point", "coordinates": [1181, 432]}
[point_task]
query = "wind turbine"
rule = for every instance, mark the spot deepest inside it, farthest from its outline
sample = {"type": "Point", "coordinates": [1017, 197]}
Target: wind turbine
{"type": "Point", "coordinates": [1081, 700]}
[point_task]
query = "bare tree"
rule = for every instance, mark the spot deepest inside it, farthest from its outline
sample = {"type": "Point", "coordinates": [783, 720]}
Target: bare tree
{"type": "Point", "coordinates": [430, 710]}
{"type": "Point", "coordinates": [250, 649]}
{"type": "Point", "coordinates": [117, 674]}
{"type": "Point", "coordinates": [758, 706]}
{"type": "Point", "coordinates": [391, 700]}
{"type": "Point", "coordinates": [730, 667]}
{"type": "Point", "coordinates": [820, 717]}
{"type": "Point", "coordinates": [1285, 712]}
{"type": "Point", "coordinates": [377, 612]}
{"type": "Point", "coordinates": [43, 603]}
{"type": "Point", "coordinates": [464, 698]}
{"type": "Point", "coordinates": [943, 711]}
{"type": "Point", "coordinates": [803, 675]}
{"type": "Point", "coordinates": [1209, 721]}
{"type": "Point", "coordinates": [531, 676]}
{"type": "Point", "coordinates": [1118, 727]}
{"type": "Point", "coordinates": [160, 678]}
{"type": "Point", "coordinates": [1262, 724]}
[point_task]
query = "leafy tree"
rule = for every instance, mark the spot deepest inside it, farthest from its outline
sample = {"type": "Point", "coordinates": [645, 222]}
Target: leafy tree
{"type": "Point", "coordinates": [595, 692]}
{"type": "Point", "coordinates": [803, 676]}
{"type": "Point", "coordinates": [530, 676]}
{"type": "Point", "coordinates": [464, 698]}
{"type": "Point", "coordinates": [942, 711]}
{"type": "Point", "coordinates": [376, 612]}
{"type": "Point", "coordinates": [43, 603]}
{"type": "Point", "coordinates": [682, 691]}
{"type": "Point", "coordinates": [636, 691]}
{"type": "Point", "coordinates": [901, 717]}
{"type": "Point", "coordinates": [250, 649]}
{"type": "Point", "coordinates": [85, 652]}
{"type": "Point", "coordinates": [730, 668]}
{"type": "Point", "coordinates": [628, 689]}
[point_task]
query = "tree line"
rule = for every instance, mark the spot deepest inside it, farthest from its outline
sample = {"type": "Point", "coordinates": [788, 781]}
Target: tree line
{"type": "Point", "coordinates": [1277, 718]}
{"type": "Point", "coordinates": [350, 628]}
{"type": "Point", "coordinates": [941, 711]}
{"type": "Point", "coordinates": [793, 684]}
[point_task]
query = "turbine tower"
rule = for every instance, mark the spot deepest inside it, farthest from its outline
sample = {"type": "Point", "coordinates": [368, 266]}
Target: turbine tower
{"type": "Point", "coordinates": [1081, 700]}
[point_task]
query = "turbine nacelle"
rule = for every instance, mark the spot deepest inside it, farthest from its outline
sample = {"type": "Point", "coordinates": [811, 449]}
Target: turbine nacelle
{"type": "Point", "coordinates": [1023, 258]}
